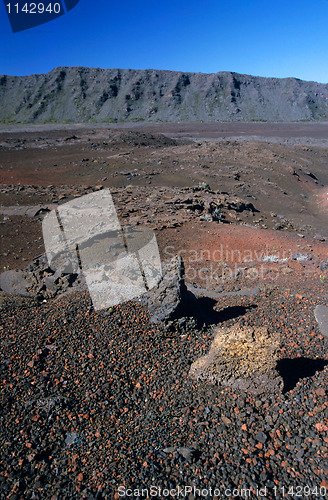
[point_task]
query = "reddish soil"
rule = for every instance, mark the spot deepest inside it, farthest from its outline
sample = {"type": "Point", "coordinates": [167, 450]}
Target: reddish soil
{"type": "Point", "coordinates": [226, 256]}
{"type": "Point", "coordinates": [281, 180]}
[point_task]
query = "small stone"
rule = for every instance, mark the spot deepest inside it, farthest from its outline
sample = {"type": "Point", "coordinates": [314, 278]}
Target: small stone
{"type": "Point", "coordinates": [226, 420]}
{"type": "Point", "coordinates": [49, 282]}
{"type": "Point", "coordinates": [301, 256]}
{"type": "Point", "coordinates": [203, 186]}
{"type": "Point", "coordinates": [186, 452]}
{"type": "Point", "coordinates": [170, 449]}
{"type": "Point", "coordinates": [261, 437]}
{"type": "Point", "coordinates": [321, 315]}
{"type": "Point", "coordinates": [321, 427]}
{"type": "Point", "coordinates": [318, 237]}
{"type": "Point", "coordinates": [324, 265]}
{"type": "Point", "coordinates": [71, 438]}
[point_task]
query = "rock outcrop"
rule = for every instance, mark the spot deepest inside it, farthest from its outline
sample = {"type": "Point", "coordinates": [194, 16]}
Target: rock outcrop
{"type": "Point", "coordinates": [165, 300]}
{"type": "Point", "coordinates": [241, 358]}
{"type": "Point", "coordinates": [39, 281]}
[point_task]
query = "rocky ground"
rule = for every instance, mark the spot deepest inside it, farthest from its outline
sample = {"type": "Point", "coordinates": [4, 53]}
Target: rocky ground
{"type": "Point", "coordinates": [96, 402]}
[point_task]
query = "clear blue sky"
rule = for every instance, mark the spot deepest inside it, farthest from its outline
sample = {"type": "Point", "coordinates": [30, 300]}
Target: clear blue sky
{"type": "Point", "coordinates": [279, 38]}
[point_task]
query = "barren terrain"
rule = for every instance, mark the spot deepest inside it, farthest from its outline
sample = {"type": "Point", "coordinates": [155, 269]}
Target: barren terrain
{"type": "Point", "coordinates": [245, 205]}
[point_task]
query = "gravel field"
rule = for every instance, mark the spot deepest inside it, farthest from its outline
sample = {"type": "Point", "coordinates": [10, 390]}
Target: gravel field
{"type": "Point", "coordinates": [94, 401]}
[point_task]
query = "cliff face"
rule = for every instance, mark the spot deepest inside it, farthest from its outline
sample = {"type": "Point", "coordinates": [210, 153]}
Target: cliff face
{"type": "Point", "coordinates": [91, 94]}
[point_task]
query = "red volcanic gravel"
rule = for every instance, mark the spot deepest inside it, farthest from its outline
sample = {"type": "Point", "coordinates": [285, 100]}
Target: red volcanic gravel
{"type": "Point", "coordinates": [94, 403]}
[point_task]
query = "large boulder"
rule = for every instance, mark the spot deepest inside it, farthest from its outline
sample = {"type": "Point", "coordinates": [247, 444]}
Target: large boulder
{"type": "Point", "coordinates": [39, 280]}
{"type": "Point", "coordinates": [15, 282]}
{"type": "Point", "coordinates": [243, 358]}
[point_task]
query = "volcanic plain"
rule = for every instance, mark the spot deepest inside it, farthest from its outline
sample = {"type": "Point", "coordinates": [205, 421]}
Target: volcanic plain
{"type": "Point", "coordinates": [99, 404]}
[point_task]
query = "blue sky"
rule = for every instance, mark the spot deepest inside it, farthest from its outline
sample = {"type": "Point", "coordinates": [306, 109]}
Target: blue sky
{"type": "Point", "coordinates": [280, 38]}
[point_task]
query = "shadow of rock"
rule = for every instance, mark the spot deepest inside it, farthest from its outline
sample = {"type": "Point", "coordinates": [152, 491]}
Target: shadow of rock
{"type": "Point", "coordinates": [293, 370]}
{"type": "Point", "coordinates": [202, 309]}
